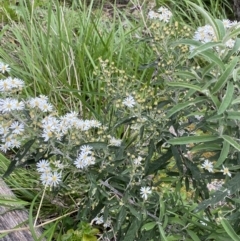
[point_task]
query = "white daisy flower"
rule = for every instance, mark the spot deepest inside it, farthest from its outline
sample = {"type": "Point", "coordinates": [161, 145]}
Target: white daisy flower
{"type": "Point", "coordinates": [4, 68]}
{"type": "Point", "coordinates": [129, 101]}
{"type": "Point", "coordinates": [145, 191]}
{"type": "Point", "coordinates": [225, 171]}
{"type": "Point", "coordinates": [54, 179]}
{"type": "Point", "coordinates": [115, 142]}
{"type": "Point", "coordinates": [208, 165]}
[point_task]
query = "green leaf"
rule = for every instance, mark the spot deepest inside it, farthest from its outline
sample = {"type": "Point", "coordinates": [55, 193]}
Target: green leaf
{"type": "Point", "coordinates": [229, 230]}
{"type": "Point", "coordinates": [181, 106]}
{"type": "Point", "coordinates": [231, 141]}
{"type": "Point", "coordinates": [19, 156]}
{"type": "Point", "coordinates": [162, 209]}
{"type": "Point", "coordinates": [233, 115]}
{"type": "Point", "coordinates": [185, 85]}
{"type": "Point", "coordinates": [225, 76]}
{"type": "Point", "coordinates": [125, 121]}
{"type": "Point", "coordinates": [121, 217]}
{"type": "Point", "coordinates": [132, 230]}
{"type": "Point", "coordinates": [227, 99]}
{"type": "Point", "coordinates": [187, 75]}
{"type": "Point", "coordinates": [148, 226]}
{"type": "Point", "coordinates": [163, 236]}
{"type": "Point", "coordinates": [134, 212]}
{"type": "Point", "coordinates": [157, 164]}
{"type": "Point", "coordinates": [203, 48]}
{"type": "Point", "coordinates": [236, 101]}
{"type": "Point", "coordinates": [191, 139]}
{"type": "Point", "coordinates": [193, 235]}
{"type": "Point", "coordinates": [211, 57]}
{"type": "Point", "coordinates": [208, 146]}
{"type": "Point", "coordinates": [223, 154]}
{"type": "Point", "coordinates": [187, 42]}
{"type": "Point", "coordinates": [151, 149]}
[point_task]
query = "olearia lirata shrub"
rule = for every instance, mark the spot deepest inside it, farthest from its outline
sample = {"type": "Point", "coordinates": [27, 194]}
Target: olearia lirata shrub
{"type": "Point", "coordinates": [126, 170]}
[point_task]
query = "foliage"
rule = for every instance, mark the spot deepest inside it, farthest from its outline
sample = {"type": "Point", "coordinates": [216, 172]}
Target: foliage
{"type": "Point", "coordinates": [142, 129]}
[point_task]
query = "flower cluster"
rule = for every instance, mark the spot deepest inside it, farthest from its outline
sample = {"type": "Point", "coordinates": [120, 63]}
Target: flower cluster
{"type": "Point", "coordinates": [99, 221]}
{"type": "Point", "coordinates": [85, 157]}
{"type": "Point", "coordinates": [209, 167]}
{"type": "Point", "coordinates": [48, 176]}
{"type": "Point", "coordinates": [206, 33]}
{"type": "Point", "coordinates": [9, 84]}
{"type": "Point", "coordinates": [163, 14]}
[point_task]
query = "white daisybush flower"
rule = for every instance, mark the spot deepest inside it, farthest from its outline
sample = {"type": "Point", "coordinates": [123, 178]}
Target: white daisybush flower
{"type": "Point", "coordinates": [4, 130]}
{"type": "Point", "coordinates": [45, 178]}
{"type": "Point", "coordinates": [41, 103]}
{"type": "Point", "coordinates": [165, 14]}
{"type": "Point", "coordinates": [107, 223]}
{"type": "Point", "coordinates": [47, 134]}
{"type": "Point", "coordinates": [79, 163]}
{"type": "Point", "coordinates": [98, 220]}
{"type": "Point", "coordinates": [227, 23]}
{"type": "Point", "coordinates": [137, 161]}
{"type": "Point", "coordinates": [54, 178]}
{"type": "Point", "coordinates": [86, 149]}
{"type": "Point", "coordinates": [208, 165]}
{"type": "Point", "coordinates": [95, 123]}
{"type": "Point", "coordinates": [85, 157]}
{"type": "Point", "coordinates": [4, 68]}
{"type": "Point", "coordinates": [18, 128]}
{"type": "Point", "coordinates": [153, 15]}
{"type": "Point", "coordinates": [4, 147]}
{"type": "Point", "coordinates": [115, 142]}
{"type": "Point", "coordinates": [5, 86]}
{"type": "Point", "coordinates": [11, 83]}
{"type": "Point", "coordinates": [225, 171]}
{"type": "Point", "coordinates": [10, 104]}
{"type": "Point", "coordinates": [230, 43]}
{"type": "Point", "coordinates": [42, 165]}
{"type": "Point", "coordinates": [129, 101]}
{"type": "Point", "coordinates": [204, 34]}
{"type": "Point", "coordinates": [15, 143]}
{"type": "Point", "coordinates": [145, 191]}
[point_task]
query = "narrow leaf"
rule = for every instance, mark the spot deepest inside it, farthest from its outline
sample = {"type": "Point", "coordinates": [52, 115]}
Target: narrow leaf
{"type": "Point", "coordinates": [148, 226]}
{"type": "Point", "coordinates": [193, 235]}
{"type": "Point", "coordinates": [231, 142]}
{"type": "Point", "coordinates": [209, 56]}
{"type": "Point", "coordinates": [181, 106]}
{"type": "Point", "coordinates": [225, 76]}
{"type": "Point", "coordinates": [223, 154]}
{"type": "Point", "coordinates": [227, 99]}
{"type": "Point", "coordinates": [192, 139]}
{"type": "Point", "coordinates": [229, 230]}
{"type": "Point", "coordinates": [185, 85]}
{"type": "Point", "coordinates": [203, 48]}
